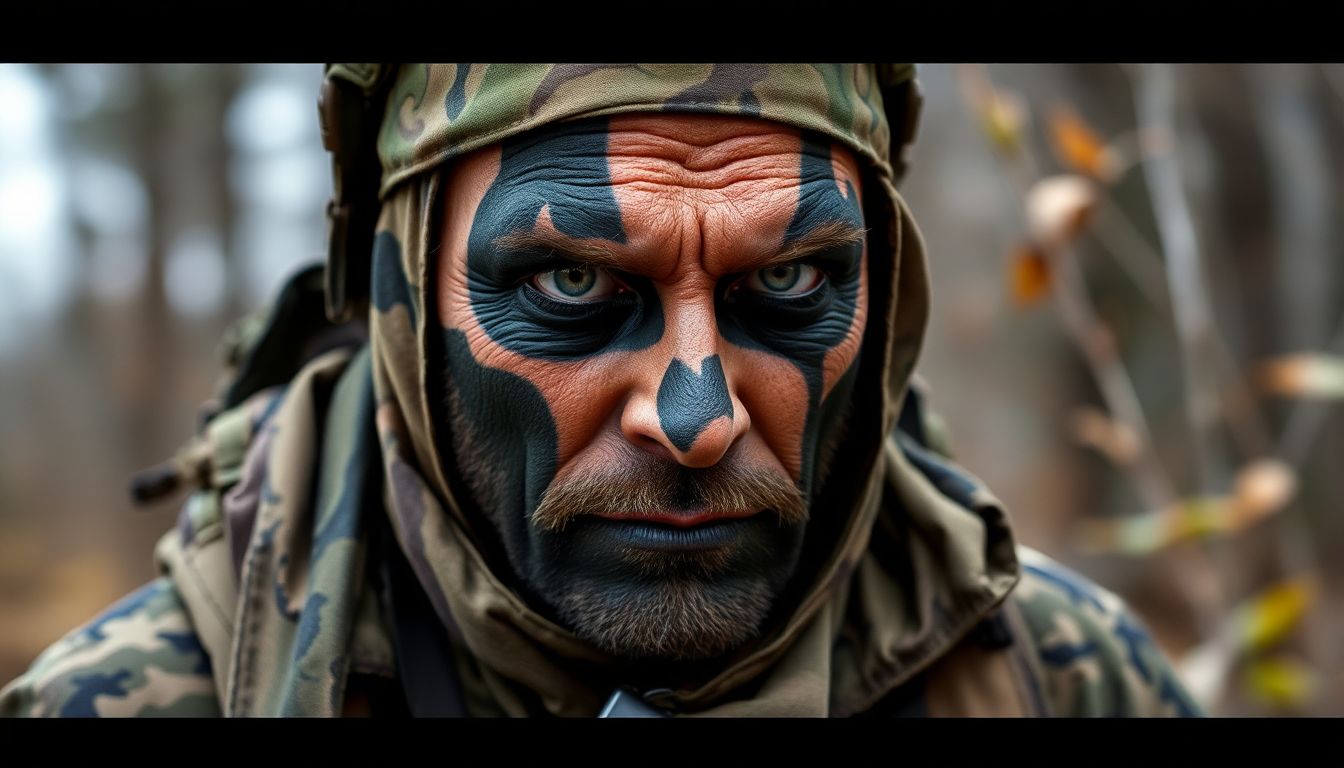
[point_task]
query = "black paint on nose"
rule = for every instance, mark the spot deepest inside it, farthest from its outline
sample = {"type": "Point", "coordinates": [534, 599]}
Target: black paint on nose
{"type": "Point", "coordinates": [688, 402]}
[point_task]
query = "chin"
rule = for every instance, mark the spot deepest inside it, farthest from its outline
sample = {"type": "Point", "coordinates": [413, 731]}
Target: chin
{"type": "Point", "coordinates": [640, 591]}
{"type": "Point", "coordinates": [676, 619]}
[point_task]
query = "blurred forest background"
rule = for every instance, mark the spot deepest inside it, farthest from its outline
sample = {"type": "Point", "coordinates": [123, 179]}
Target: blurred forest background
{"type": "Point", "coordinates": [1137, 337]}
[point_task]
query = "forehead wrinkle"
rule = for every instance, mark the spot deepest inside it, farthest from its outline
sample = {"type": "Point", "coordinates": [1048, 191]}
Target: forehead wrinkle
{"type": "Point", "coordinates": [827, 235]}
{"type": "Point", "coordinates": [670, 175]}
{"type": "Point", "coordinates": [701, 152]}
{"type": "Point", "coordinates": [645, 173]}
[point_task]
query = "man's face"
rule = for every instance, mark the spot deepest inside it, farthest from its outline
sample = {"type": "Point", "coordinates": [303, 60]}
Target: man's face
{"type": "Point", "coordinates": [651, 328]}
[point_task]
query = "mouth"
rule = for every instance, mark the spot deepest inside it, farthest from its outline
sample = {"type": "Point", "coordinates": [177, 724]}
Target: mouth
{"type": "Point", "coordinates": [679, 519]}
{"type": "Point", "coordinates": [675, 532]}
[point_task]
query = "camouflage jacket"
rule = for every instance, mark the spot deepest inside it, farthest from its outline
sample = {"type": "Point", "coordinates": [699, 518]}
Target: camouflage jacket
{"type": "Point", "coordinates": [186, 644]}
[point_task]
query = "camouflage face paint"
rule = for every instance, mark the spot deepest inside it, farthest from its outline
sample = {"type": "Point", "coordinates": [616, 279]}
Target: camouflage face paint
{"type": "Point", "coordinates": [689, 402]}
{"type": "Point", "coordinates": [658, 297]}
{"type": "Point", "coordinates": [808, 328]}
{"type": "Point", "coordinates": [577, 197]}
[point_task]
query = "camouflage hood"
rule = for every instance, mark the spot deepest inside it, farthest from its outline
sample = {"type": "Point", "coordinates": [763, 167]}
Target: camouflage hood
{"type": "Point", "coordinates": [916, 557]}
{"type": "Point", "coordinates": [437, 112]}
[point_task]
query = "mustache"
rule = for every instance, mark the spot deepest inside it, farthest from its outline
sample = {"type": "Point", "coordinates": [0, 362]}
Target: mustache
{"type": "Point", "coordinates": [642, 485]}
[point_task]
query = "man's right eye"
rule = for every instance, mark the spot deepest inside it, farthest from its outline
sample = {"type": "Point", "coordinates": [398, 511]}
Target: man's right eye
{"type": "Point", "coordinates": [578, 284]}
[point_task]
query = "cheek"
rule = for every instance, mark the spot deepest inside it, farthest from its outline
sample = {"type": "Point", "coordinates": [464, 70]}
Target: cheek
{"type": "Point", "coordinates": [774, 393]}
{"type": "Point", "coordinates": [840, 357]}
{"type": "Point", "coordinates": [577, 395]}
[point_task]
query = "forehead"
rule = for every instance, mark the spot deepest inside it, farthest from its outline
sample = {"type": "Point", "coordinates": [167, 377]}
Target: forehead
{"type": "Point", "coordinates": [659, 186]}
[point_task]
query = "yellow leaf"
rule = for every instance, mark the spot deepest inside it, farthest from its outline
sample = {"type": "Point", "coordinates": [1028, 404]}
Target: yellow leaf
{"type": "Point", "coordinates": [1077, 145]}
{"type": "Point", "coordinates": [1281, 681]}
{"type": "Point", "coordinates": [1304, 375]}
{"type": "Point", "coordinates": [1004, 116]}
{"type": "Point", "coordinates": [1201, 516]}
{"type": "Point", "coordinates": [1186, 519]}
{"type": "Point", "coordinates": [1029, 276]}
{"type": "Point", "coordinates": [1269, 616]}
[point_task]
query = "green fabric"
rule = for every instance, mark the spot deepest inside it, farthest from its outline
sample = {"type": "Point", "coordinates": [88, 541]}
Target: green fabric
{"type": "Point", "coordinates": [435, 112]}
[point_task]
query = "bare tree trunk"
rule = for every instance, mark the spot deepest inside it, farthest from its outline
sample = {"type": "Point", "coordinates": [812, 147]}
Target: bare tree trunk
{"type": "Point", "coordinates": [224, 83]}
{"type": "Point", "coordinates": [153, 374]}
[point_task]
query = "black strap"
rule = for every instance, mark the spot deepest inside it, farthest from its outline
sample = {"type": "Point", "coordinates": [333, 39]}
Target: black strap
{"type": "Point", "coordinates": [424, 659]}
{"type": "Point", "coordinates": [993, 632]}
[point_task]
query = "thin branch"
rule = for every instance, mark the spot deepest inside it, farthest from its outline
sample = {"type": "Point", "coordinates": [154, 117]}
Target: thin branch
{"type": "Point", "coordinates": [1095, 340]}
{"type": "Point", "coordinates": [1155, 107]}
{"type": "Point", "coordinates": [1098, 346]}
{"type": "Point", "coordinates": [1116, 233]}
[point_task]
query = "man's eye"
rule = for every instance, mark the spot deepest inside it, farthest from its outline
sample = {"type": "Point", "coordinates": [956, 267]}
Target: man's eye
{"type": "Point", "coordinates": [577, 283]}
{"type": "Point", "coordinates": [784, 279]}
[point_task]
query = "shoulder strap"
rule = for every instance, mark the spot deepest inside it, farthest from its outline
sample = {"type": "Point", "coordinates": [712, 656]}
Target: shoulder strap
{"type": "Point", "coordinates": [425, 665]}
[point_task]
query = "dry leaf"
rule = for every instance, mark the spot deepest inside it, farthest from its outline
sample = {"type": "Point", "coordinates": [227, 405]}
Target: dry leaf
{"type": "Point", "coordinates": [1078, 146]}
{"type": "Point", "coordinates": [1304, 375]}
{"type": "Point", "coordinates": [1113, 439]}
{"type": "Point", "coordinates": [1059, 208]}
{"type": "Point", "coordinates": [1029, 276]}
{"type": "Point", "coordinates": [1264, 486]}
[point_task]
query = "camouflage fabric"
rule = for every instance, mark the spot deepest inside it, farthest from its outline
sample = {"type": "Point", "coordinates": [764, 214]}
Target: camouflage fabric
{"type": "Point", "coordinates": [439, 111]}
{"type": "Point", "coordinates": [140, 658]}
{"type": "Point", "coordinates": [920, 605]}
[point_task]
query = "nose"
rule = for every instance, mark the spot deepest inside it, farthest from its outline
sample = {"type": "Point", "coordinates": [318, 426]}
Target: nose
{"type": "Point", "coordinates": [693, 415]}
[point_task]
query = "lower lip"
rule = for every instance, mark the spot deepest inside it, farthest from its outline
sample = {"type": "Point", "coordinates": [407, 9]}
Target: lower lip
{"type": "Point", "coordinates": [643, 535]}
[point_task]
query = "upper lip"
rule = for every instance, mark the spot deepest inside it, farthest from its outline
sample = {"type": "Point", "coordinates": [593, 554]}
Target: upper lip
{"type": "Point", "coordinates": [679, 518]}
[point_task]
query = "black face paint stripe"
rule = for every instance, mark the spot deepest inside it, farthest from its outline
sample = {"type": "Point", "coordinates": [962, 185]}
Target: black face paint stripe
{"type": "Point", "coordinates": [688, 402]}
{"type": "Point", "coordinates": [512, 428]}
{"type": "Point", "coordinates": [804, 331]}
{"type": "Point", "coordinates": [564, 169]}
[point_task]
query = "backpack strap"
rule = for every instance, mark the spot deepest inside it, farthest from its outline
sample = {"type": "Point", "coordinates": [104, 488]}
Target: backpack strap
{"type": "Point", "coordinates": [425, 665]}
{"type": "Point", "coordinates": [260, 352]}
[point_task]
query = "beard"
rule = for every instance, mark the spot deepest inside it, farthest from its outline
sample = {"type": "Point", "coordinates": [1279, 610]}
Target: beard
{"type": "Point", "coordinates": [634, 602]}
{"type": "Point", "coordinates": [675, 605]}
{"type": "Point", "coordinates": [682, 618]}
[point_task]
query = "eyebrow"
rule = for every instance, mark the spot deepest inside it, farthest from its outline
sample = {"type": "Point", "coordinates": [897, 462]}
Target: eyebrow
{"type": "Point", "coordinates": [550, 240]}
{"type": "Point", "coordinates": [836, 233]}
{"type": "Point", "coordinates": [832, 234]}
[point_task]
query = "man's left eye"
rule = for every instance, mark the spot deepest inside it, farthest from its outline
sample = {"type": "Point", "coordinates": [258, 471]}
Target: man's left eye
{"type": "Point", "coordinates": [785, 279]}
{"type": "Point", "coordinates": [577, 283]}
